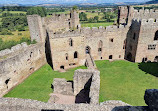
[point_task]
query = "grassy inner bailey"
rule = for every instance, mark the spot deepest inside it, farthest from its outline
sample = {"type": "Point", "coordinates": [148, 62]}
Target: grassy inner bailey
{"type": "Point", "coordinates": [125, 81]}
{"type": "Point", "coordinates": [38, 85]}
{"type": "Point", "coordinates": [120, 80]}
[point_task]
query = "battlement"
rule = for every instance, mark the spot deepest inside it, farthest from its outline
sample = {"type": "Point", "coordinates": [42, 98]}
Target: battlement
{"type": "Point", "coordinates": [56, 17]}
{"type": "Point", "coordinates": [111, 28]}
{"type": "Point", "coordinates": [87, 31]}
{"type": "Point", "coordinates": [75, 33]}
{"type": "Point", "coordinates": [145, 14]}
{"type": "Point", "coordinates": [146, 11]}
{"type": "Point", "coordinates": [151, 21]}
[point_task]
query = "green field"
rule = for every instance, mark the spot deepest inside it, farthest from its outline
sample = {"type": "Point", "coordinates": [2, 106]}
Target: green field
{"type": "Point", "coordinates": [38, 85]}
{"type": "Point", "coordinates": [15, 36]}
{"type": "Point", "coordinates": [96, 24]}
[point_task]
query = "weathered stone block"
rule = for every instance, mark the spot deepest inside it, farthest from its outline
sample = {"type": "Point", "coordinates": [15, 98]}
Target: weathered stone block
{"type": "Point", "coordinates": [61, 86]}
{"type": "Point", "coordinates": [151, 99]}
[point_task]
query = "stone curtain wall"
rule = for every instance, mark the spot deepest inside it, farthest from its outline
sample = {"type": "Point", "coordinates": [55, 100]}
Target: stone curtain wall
{"type": "Point", "coordinates": [87, 79]}
{"type": "Point", "coordinates": [14, 104]}
{"type": "Point", "coordinates": [18, 65]}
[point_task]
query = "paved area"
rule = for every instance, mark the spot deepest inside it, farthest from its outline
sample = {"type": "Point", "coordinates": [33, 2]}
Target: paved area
{"type": "Point", "coordinates": [61, 99]}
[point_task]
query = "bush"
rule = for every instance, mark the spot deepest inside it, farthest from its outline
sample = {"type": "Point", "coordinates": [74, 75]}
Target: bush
{"type": "Point", "coordinates": [5, 32]}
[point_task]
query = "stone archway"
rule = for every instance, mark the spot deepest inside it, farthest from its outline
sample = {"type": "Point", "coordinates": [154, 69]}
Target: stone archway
{"type": "Point", "coordinates": [88, 50]}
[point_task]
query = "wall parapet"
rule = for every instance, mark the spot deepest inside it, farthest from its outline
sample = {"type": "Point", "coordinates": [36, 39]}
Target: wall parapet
{"type": "Point", "coordinates": [13, 49]}
{"type": "Point", "coordinates": [11, 104]}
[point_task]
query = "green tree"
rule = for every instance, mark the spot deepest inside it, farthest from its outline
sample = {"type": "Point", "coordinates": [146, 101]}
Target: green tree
{"type": "Point", "coordinates": [74, 8]}
{"type": "Point", "coordinates": [37, 10]}
{"type": "Point", "coordinates": [96, 18]}
{"type": "Point", "coordinates": [83, 16]}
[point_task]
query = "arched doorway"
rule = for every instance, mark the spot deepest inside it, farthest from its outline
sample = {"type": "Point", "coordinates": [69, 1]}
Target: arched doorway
{"type": "Point", "coordinates": [129, 57]}
{"type": "Point", "coordinates": [88, 50]}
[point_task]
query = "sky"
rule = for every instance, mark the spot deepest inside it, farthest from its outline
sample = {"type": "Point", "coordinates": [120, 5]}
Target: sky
{"type": "Point", "coordinates": [65, 1]}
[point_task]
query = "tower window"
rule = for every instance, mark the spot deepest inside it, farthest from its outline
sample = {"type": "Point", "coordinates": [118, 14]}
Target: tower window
{"type": "Point", "coordinates": [75, 54]}
{"type": "Point", "coordinates": [70, 42]}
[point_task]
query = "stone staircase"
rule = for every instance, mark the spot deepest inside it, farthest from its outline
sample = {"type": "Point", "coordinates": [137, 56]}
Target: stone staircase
{"type": "Point", "coordinates": [90, 62]}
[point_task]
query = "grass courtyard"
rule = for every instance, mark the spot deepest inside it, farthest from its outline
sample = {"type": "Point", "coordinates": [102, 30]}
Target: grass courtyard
{"type": "Point", "coordinates": [120, 80]}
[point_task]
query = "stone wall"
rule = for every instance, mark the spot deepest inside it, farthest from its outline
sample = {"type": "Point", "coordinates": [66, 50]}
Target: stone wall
{"type": "Point", "coordinates": [102, 43]}
{"type": "Point", "coordinates": [36, 28]}
{"type": "Point", "coordinates": [14, 104]}
{"type": "Point", "coordinates": [147, 46]}
{"type": "Point", "coordinates": [18, 65]}
{"type": "Point", "coordinates": [87, 81]}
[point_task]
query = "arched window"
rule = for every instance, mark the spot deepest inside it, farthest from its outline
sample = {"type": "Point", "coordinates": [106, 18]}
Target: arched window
{"type": "Point", "coordinates": [70, 42]}
{"type": "Point", "coordinates": [156, 35]}
{"type": "Point", "coordinates": [66, 55]}
{"type": "Point", "coordinates": [100, 46]}
{"type": "Point", "coordinates": [75, 54]}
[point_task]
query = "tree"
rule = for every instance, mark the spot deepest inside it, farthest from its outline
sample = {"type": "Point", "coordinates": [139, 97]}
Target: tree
{"type": "Point", "coordinates": [37, 10]}
{"type": "Point", "coordinates": [83, 16]}
{"type": "Point", "coordinates": [96, 18]}
{"type": "Point", "coordinates": [74, 8]}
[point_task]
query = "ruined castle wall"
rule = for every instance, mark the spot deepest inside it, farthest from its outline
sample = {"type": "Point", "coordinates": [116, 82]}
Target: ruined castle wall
{"type": "Point", "coordinates": [57, 22]}
{"type": "Point", "coordinates": [146, 40]}
{"type": "Point", "coordinates": [132, 40]}
{"type": "Point", "coordinates": [84, 79]}
{"type": "Point", "coordinates": [20, 64]}
{"type": "Point", "coordinates": [74, 18]}
{"type": "Point", "coordinates": [112, 41]}
{"type": "Point", "coordinates": [14, 104]}
{"type": "Point", "coordinates": [145, 14]}
{"type": "Point", "coordinates": [37, 31]}
{"type": "Point", "coordinates": [60, 47]}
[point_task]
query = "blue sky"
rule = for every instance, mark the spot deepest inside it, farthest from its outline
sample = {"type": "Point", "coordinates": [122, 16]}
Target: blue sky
{"type": "Point", "coordinates": [65, 1]}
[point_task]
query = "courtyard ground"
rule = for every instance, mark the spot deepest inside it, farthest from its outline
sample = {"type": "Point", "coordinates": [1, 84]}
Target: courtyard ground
{"type": "Point", "coordinates": [120, 80]}
{"type": "Point", "coordinates": [126, 81]}
{"type": "Point", "coordinates": [38, 85]}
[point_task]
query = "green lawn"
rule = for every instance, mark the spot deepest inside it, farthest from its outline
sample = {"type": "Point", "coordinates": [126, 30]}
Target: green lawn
{"type": "Point", "coordinates": [38, 85]}
{"type": "Point", "coordinates": [96, 24]}
{"type": "Point", "coordinates": [122, 80]}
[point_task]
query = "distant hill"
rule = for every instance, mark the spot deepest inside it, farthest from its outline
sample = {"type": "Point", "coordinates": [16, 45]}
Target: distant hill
{"type": "Point", "coordinates": [152, 2]}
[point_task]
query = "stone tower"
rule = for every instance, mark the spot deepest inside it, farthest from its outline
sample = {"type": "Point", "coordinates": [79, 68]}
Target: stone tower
{"type": "Point", "coordinates": [125, 14]}
{"type": "Point", "coordinates": [74, 19]}
{"type": "Point", "coordinates": [35, 27]}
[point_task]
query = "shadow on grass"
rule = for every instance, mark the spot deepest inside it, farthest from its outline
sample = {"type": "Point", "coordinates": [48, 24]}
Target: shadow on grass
{"type": "Point", "coordinates": [149, 68]}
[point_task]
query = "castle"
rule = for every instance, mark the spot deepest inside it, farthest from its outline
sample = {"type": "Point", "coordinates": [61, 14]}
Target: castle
{"type": "Point", "coordinates": [64, 44]}
{"type": "Point", "coordinates": [134, 39]}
